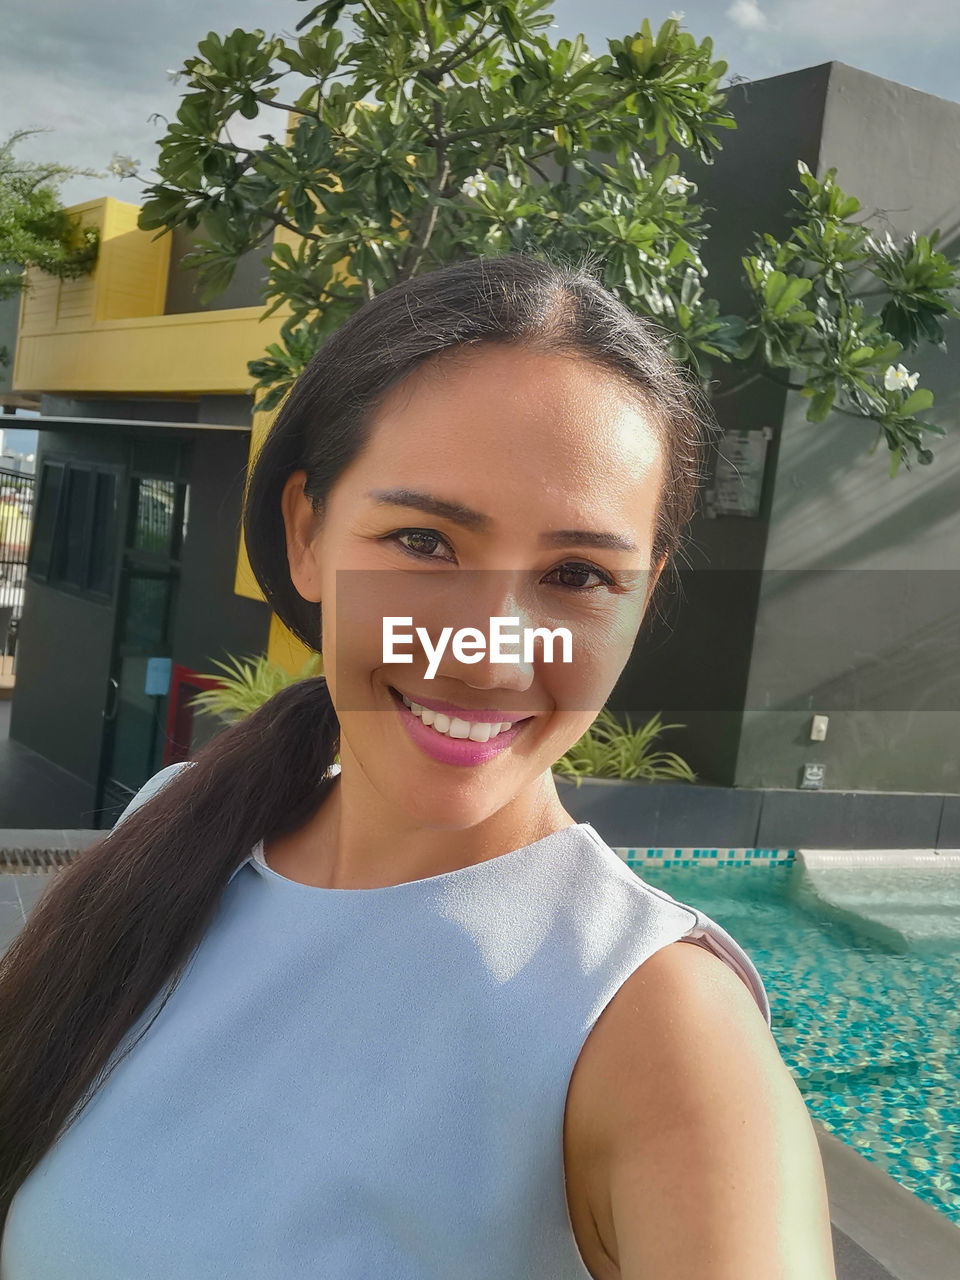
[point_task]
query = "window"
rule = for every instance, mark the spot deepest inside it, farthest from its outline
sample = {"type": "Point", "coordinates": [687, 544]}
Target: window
{"type": "Point", "coordinates": [154, 516]}
{"type": "Point", "coordinates": [75, 534]}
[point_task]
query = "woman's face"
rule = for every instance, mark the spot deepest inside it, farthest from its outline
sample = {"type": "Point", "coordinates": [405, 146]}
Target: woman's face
{"type": "Point", "coordinates": [549, 476]}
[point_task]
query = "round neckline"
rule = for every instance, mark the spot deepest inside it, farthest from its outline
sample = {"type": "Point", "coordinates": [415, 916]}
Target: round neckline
{"type": "Point", "coordinates": [445, 877]}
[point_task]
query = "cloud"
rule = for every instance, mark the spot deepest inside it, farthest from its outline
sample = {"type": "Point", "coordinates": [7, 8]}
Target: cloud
{"type": "Point", "coordinates": [93, 76]}
{"type": "Point", "coordinates": [747, 14]}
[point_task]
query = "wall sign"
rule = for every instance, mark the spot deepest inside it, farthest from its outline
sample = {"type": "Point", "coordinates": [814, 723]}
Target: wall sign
{"type": "Point", "coordinates": [738, 480]}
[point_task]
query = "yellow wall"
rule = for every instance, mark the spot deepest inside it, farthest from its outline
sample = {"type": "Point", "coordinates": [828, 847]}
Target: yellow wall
{"type": "Point", "coordinates": [200, 353]}
{"type": "Point", "coordinates": [245, 584]}
{"type": "Point", "coordinates": [106, 332]}
{"type": "Point", "coordinates": [285, 649]}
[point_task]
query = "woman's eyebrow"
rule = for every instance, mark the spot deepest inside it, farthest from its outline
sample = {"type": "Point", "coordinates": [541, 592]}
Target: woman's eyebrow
{"type": "Point", "coordinates": [477, 522]}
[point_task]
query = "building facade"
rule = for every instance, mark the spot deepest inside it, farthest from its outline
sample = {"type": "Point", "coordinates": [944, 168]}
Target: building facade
{"type": "Point", "coordinates": [815, 587]}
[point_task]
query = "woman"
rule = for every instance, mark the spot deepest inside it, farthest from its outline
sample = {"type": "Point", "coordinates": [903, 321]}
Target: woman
{"type": "Point", "coordinates": [410, 1020]}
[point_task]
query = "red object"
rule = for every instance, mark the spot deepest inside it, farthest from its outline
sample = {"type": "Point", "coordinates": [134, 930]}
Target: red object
{"type": "Point", "coordinates": [184, 684]}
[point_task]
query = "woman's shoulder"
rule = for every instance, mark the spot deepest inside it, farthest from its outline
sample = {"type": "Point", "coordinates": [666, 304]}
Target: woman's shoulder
{"type": "Point", "coordinates": [152, 786]}
{"type": "Point", "coordinates": [681, 1060]}
{"type": "Point", "coordinates": [656, 1031]}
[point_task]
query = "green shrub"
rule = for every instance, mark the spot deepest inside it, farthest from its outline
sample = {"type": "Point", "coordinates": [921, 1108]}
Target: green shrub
{"type": "Point", "coordinates": [249, 684]}
{"type": "Point", "coordinates": [611, 750]}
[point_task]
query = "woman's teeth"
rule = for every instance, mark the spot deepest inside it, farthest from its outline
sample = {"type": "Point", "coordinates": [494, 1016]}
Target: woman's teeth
{"type": "Point", "coordinates": [453, 726]}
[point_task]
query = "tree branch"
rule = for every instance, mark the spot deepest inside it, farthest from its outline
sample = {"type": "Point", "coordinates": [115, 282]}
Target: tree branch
{"type": "Point", "coordinates": [769, 376]}
{"type": "Point", "coordinates": [433, 208]}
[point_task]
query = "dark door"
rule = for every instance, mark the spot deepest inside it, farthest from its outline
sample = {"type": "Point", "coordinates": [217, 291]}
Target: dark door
{"type": "Point", "coordinates": [135, 713]}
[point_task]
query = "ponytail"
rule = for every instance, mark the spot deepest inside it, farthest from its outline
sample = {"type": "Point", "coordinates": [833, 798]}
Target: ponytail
{"type": "Point", "coordinates": [119, 924]}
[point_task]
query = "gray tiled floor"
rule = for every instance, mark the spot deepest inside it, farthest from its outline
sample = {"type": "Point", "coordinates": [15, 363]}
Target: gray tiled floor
{"type": "Point", "coordinates": [34, 792]}
{"type": "Point", "coordinates": [854, 1263]}
{"type": "Point", "coordinates": [18, 893]}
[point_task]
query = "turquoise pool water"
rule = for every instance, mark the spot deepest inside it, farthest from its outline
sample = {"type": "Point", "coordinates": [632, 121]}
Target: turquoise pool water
{"type": "Point", "coordinates": [870, 1036]}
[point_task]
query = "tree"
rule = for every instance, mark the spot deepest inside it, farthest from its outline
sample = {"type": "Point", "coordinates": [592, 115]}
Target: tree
{"type": "Point", "coordinates": [35, 230]}
{"type": "Point", "coordinates": [444, 129]}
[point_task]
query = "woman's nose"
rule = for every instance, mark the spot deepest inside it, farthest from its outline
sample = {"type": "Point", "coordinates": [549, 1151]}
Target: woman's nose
{"type": "Point", "coordinates": [489, 595]}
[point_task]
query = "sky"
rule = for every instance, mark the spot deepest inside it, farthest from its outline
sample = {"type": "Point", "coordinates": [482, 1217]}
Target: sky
{"type": "Point", "coordinates": [92, 75]}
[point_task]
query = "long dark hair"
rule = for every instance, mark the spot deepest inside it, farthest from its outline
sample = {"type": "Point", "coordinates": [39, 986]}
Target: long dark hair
{"type": "Point", "coordinates": [117, 927]}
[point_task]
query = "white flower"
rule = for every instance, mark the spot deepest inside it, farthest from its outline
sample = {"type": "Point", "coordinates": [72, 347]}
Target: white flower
{"type": "Point", "coordinates": [896, 379]}
{"type": "Point", "coordinates": [420, 48]}
{"type": "Point", "coordinates": [123, 166]}
{"type": "Point", "coordinates": [474, 185]}
{"type": "Point", "coordinates": [676, 186]}
{"type": "Point", "coordinates": [515, 180]}
{"type": "Point", "coordinates": [173, 75]}
{"type": "Point", "coordinates": [677, 14]}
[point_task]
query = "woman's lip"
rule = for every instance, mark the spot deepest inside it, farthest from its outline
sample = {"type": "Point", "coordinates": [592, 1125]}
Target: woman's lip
{"type": "Point", "coordinates": [456, 751]}
{"type": "Point", "coordinates": [473, 715]}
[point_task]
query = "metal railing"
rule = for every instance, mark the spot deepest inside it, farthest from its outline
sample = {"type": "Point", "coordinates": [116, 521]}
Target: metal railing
{"type": "Point", "coordinates": [17, 498]}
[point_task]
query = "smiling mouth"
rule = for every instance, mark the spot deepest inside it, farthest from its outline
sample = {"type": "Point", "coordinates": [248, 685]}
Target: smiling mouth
{"type": "Point", "coordinates": [457, 727]}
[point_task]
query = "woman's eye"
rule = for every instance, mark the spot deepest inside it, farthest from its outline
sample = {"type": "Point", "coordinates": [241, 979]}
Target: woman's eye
{"type": "Point", "coordinates": [419, 537]}
{"type": "Point", "coordinates": [424, 542]}
{"type": "Point", "coordinates": [581, 571]}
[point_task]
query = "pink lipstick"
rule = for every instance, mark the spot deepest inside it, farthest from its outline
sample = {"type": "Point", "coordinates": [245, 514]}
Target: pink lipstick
{"type": "Point", "coordinates": [463, 751]}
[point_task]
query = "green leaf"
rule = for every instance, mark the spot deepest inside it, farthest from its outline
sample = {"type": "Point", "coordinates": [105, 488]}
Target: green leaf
{"type": "Point", "coordinates": [773, 287]}
{"type": "Point", "coordinates": [917, 401]}
{"type": "Point", "coordinates": [821, 404]}
{"type": "Point", "coordinates": [861, 355]}
{"type": "Point", "coordinates": [794, 290]}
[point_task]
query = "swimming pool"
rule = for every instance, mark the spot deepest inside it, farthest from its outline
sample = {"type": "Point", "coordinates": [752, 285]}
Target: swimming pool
{"type": "Point", "coordinates": [871, 1036]}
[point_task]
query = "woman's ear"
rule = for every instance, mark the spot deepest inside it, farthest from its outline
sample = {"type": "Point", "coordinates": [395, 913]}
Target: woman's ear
{"type": "Point", "coordinates": [301, 522]}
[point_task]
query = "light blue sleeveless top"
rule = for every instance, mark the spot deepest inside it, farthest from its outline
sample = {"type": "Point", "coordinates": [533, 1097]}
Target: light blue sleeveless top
{"type": "Point", "coordinates": [357, 1084]}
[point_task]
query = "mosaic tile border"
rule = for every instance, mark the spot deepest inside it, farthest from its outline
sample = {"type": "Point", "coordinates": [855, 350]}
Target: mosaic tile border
{"type": "Point", "coordinates": [634, 857]}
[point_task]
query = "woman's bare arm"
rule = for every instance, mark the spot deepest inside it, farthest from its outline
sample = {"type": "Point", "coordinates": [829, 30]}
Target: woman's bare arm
{"type": "Point", "coordinates": [712, 1167]}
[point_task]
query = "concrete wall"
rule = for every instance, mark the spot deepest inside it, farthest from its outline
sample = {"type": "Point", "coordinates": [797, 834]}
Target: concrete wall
{"type": "Point", "coordinates": [244, 290]}
{"type": "Point", "coordinates": [9, 313]}
{"type": "Point", "coordinates": [692, 664]}
{"type": "Point", "coordinates": [66, 642]}
{"type": "Point", "coordinates": [211, 620]}
{"type": "Point", "coordinates": [869, 632]}
{"type": "Point", "coordinates": [839, 597]}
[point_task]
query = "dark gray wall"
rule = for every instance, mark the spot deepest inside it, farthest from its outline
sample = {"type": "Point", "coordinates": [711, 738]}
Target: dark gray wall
{"type": "Point", "coordinates": [839, 598]}
{"type": "Point", "coordinates": [211, 619]}
{"type": "Point", "coordinates": [692, 663]}
{"type": "Point", "coordinates": [9, 318]}
{"type": "Point", "coordinates": [869, 635]}
{"type": "Point", "coordinates": [64, 645]}
{"type": "Point", "coordinates": [65, 642]}
{"type": "Point", "coordinates": [132, 408]}
{"type": "Point", "coordinates": [244, 290]}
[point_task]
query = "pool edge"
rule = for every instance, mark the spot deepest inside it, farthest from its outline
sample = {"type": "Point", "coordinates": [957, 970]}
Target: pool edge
{"type": "Point", "coordinates": [908, 1237]}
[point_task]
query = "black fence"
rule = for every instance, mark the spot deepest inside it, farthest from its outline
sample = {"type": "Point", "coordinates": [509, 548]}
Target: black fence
{"type": "Point", "coordinates": [16, 522]}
